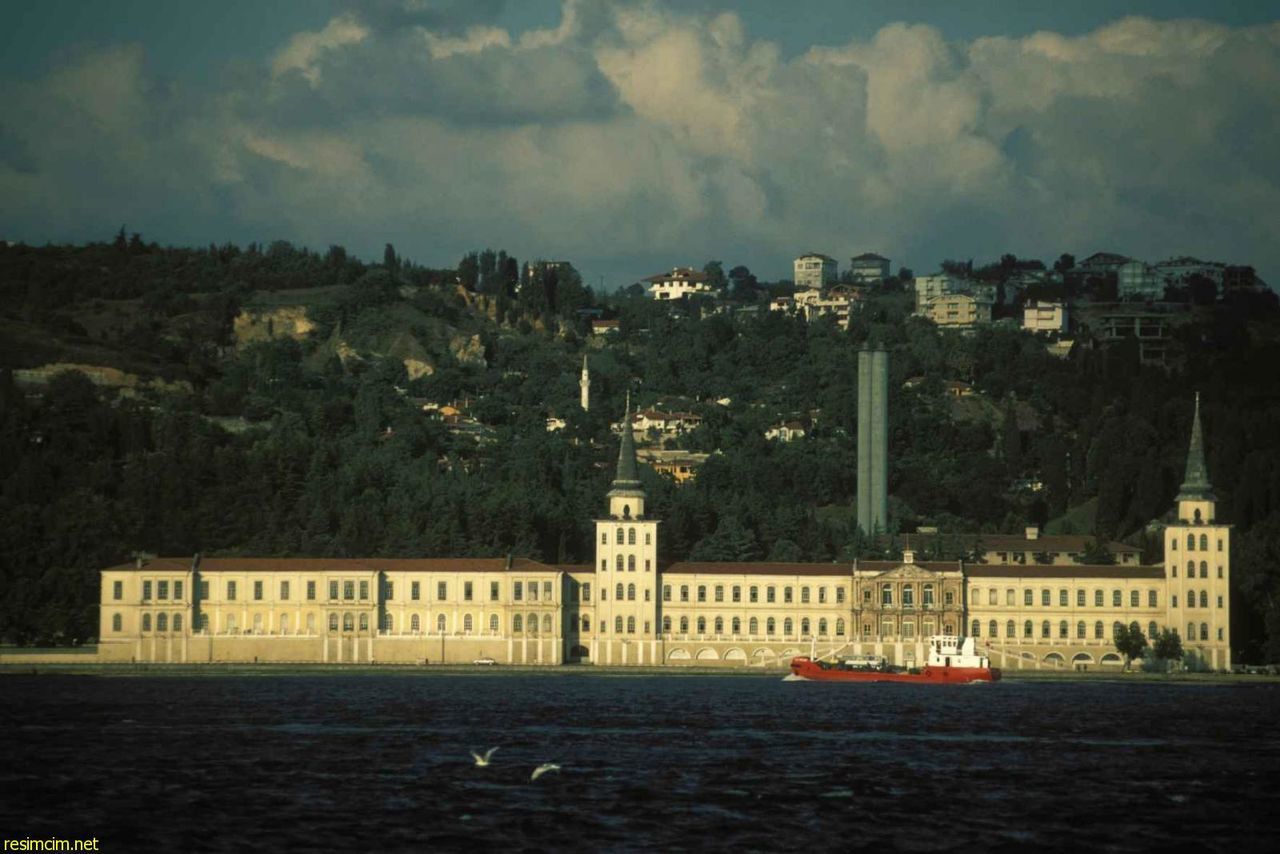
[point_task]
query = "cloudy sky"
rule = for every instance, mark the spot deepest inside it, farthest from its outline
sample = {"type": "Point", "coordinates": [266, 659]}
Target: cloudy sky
{"type": "Point", "coordinates": [629, 137]}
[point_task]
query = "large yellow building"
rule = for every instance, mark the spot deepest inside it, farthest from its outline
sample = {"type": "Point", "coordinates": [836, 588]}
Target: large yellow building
{"type": "Point", "coordinates": [1029, 601]}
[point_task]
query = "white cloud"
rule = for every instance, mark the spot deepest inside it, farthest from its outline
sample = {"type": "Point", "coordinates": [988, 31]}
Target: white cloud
{"type": "Point", "coordinates": [639, 131]}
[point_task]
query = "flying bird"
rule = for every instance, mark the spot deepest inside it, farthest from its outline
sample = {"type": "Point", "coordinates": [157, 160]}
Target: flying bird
{"type": "Point", "coordinates": [544, 768]}
{"type": "Point", "coordinates": [483, 761]}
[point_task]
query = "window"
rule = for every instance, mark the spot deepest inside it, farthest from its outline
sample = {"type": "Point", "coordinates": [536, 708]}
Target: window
{"type": "Point", "coordinates": [753, 593]}
{"type": "Point", "coordinates": [753, 627]}
{"type": "Point", "coordinates": [604, 538]}
{"type": "Point", "coordinates": [702, 625]}
{"type": "Point", "coordinates": [666, 625]}
{"type": "Point", "coordinates": [804, 595]}
{"type": "Point", "coordinates": [162, 589]}
{"type": "Point", "coordinates": [493, 624]}
{"type": "Point", "coordinates": [117, 591]}
{"type": "Point", "coordinates": [991, 629]}
{"type": "Point", "coordinates": [1219, 601]}
{"type": "Point", "coordinates": [666, 593]}
{"type": "Point", "coordinates": [770, 595]}
{"type": "Point", "coordinates": [177, 590]}
{"type": "Point", "coordinates": [719, 592]}
{"type": "Point", "coordinates": [770, 626]}
{"type": "Point", "coordinates": [786, 595]}
{"type": "Point", "coordinates": [204, 590]}
{"type": "Point", "coordinates": [684, 625]}
{"type": "Point", "coordinates": [1011, 598]}
{"type": "Point", "coordinates": [386, 622]}
{"type": "Point", "coordinates": [840, 627]}
{"type": "Point", "coordinates": [886, 594]}
{"type": "Point", "coordinates": [948, 597]}
{"type": "Point", "coordinates": [257, 591]}
{"type": "Point", "coordinates": [604, 565]}
{"type": "Point", "coordinates": [1151, 598]}
{"type": "Point", "coordinates": [804, 627]}
{"type": "Point", "coordinates": [495, 591]}
{"type": "Point", "coordinates": [618, 593]}
{"type": "Point", "coordinates": [631, 563]}
{"type": "Point", "coordinates": [840, 595]}
{"type": "Point", "coordinates": [1026, 597]}
{"type": "Point", "coordinates": [146, 591]}
{"type": "Point", "coordinates": [333, 590]}
{"type": "Point", "coordinates": [284, 591]}
{"type": "Point", "coordinates": [908, 596]}
{"type": "Point", "coordinates": [719, 625]}
{"type": "Point", "coordinates": [684, 593]}
{"type": "Point", "coordinates": [976, 629]}
{"type": "Point", "coordinates": [231, 591]}
{"type": "Point", "coordinates": [467, 593]}
{"type": "Point", "coordinates": [1062, 629]}
{"type": "Point", "coordinates": [1115, 598]}
{"type": "Point", "coordinates": [993, 598]}
{"type": "Point", "coordinates": [1219, 629]}
{"type": "Point", "coordinates": [648, 538]}
{"type": "Point", "coordinates": [702, 593]}
{"type": "Point", "coordinates": [1062, 598]}
{"type": "Point", "coordinates": [441, 624]}
{"type": "Point", "coordinates": [415, 623]}
{"type": "Point", "coordinates": [618, 537]}
{"type": "Point", "coordinates": [533, 591]}
{"type": "Point", "coordinates": [442, 590]}
{"type": "Point", "coordinates": [1097, 630]}
{"type": "Point", "coordinates": [1097, 598]}
{"type": "Point", "coordinates": [1204, 569]}
{"type": "Point", "coordinates": [311, 623]}
{"type": "Point", "coordinates": [1080, 598]}
{"type": "Point", "coordinates": [348, 622]}
{"type": "Point", "coordinates": [1027, 630]}
{"type": "Point", "coordinates": [822, 595]}
{"type": "Point", "coordinates": [1191, 631]}
{"type": "Point", "coordinates": [364, 622]}
{"type": "Point", "coordinates": [517, 624]}
{"type": "Point", "coordinates": [1219, 572]}
{"type": "Point", "coordinates": [1151, 629]}
{"type": "Point", "coordinates": [348, 590]}
{"type": "Point", "coordinates": [631, 592]}
{"type": "Point", "coordinates": [646, 595]}
{"type": "Point", "coordinates": [586, 591]}
{"type": "Point", "coordinates": [1204, 546]}
{"type": "Point", "coordinates": [1191, 542]}
{"type": "Point", "coordinates": [1173, 600]}
{"type": "Point", "coordinates": [1204, 598]}
{"type": "Point", "coordinates": [786, 627]}
{"type": "Point", "coordinates": [1191, 569]}
{"type": "Point", "coordinates": [333, 622]}
{"type": "Point", "coordinates": [1011, 629]}
{"type": "Point", "coordinates": [1044, 629]}
{"type": "Point", "coordinates": [466, 624]}
{"type": "Point", "coordinates": [1219, 549]}
{"type": "Point", "coordinates": [866, 596]}
{"type": "Point", "coordinates": [117, 622]}
{"type": "Point", "coordinates": [1044, 597]}
{"type": "Point", "coordinates": [737, 593]}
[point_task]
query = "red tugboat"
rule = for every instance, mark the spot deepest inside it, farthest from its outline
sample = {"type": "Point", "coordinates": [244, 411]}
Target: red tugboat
{"type": "Point", "coordinates": [951, 660]}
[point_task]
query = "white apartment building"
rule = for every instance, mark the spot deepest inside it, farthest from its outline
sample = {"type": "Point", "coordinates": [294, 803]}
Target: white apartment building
{"type": "Point", "coordinates": [680, 282]}
{"type": "Point", "coordinates": [815, 270]}
{"type": "Point", "coordinates": [869, 267]}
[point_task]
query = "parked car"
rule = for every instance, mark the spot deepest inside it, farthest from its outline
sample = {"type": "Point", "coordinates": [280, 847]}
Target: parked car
{"type": "Point", "coordinates": [486, 661]}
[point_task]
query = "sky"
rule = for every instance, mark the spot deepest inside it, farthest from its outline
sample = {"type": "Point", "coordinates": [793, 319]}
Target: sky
{"type": "Point", "coordinates": [631, 137]}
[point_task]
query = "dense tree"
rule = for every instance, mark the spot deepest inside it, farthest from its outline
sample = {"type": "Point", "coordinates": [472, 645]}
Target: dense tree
{"type": "Point", "coordinates": [1130, 642]}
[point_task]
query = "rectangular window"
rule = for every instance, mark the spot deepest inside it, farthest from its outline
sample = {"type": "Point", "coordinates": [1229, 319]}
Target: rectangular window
{"type": "Point", "coordinates": [804, 595]}
{"type": "Point", "coordinates": [311, 591]}
{"type": "Point", "coordinates": [389, 590]}
{"type": "Point", "coordinates": [684, 593]}
{"type": "Point", "coordinates": [517, 590]}
{"type": "Point", "coordinates": [1026, 596]}
{"type": "Point", "coordinates": [415, 590]}
{"type": "Point", "coordinates": [257, 591]}
{"type": "Point", "coordinates": [737, 593]}
{"type": "Point", "coordinates": [284, 591]}
{"type": "Point", "coordinates": [466, 591]}
{"type": "Point", "coordinates": [177, 590]}
{"type": "Point", "coordinates": [117, 590]}
{"type": "Point", "coordinates": [1062, 598]}
{"type": "Point", "coordinates": [770, 594]}
{"type": "Point", "coordinates": [1151, 598]}
{"type": "Point", "coordinates": [822, 595]}
{"type": "Point", "coordinates": [666, 593]}
{"type": "Point", "coordinates": [162, 589]}
{"type": "Point", "coordinates": [204, 590]}
{"type": "Point", "coordinates": [546, 590]}
{"type": "Point", "coordinates": [494, 591]}
{"type": "Point", "coordinates": [533, 591]}
{"type": "Point", "coordinates": [754, 594]}
{"type": "Point", "coordinates": [787, 594]}
{"type": "Point", "coordinates": [948, 597]}
{"type": "Point", "coordinates": [364, 590]}
{"type": "Point", "coordinates": [586, 592]}
{"type": "Point", "coordinates": [1219, 601]}
{"type": "Point", "coordinates": [647, 566]}
{"type": "Point", "coordinates": [1173, 600]}
{"type": "Point", "coordinates": [442, 590]}
{"type": "Point", "coordinates": [1044, 597]}
{"type": "Point", "coordinates": [840, 596]}
{"type": "Point", "coordinates": [231, 591]}
{"type": "Point", "coordinates": [333, 589]}
{"type": "Point", "coordinates": [348, 590]}
{"type": "Point", "coordinates": [719, 593]}
{"type": "Point", "coordinates": [1079, 598]}
{"type": "Point", "coordinates": [702, 593]}
{"type": "Point", "coordinates": [146, 591]}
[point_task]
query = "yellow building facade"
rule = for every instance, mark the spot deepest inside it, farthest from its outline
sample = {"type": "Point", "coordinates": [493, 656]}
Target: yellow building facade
{"type": "Point", "coordinates": [1030, 603]}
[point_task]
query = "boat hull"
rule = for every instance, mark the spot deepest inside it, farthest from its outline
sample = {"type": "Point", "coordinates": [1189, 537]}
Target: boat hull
{"type": "Point", "coordinates": [805, 668]}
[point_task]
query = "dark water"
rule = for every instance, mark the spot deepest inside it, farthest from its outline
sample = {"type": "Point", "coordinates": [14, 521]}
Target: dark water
{"type": "Point", "coordinates": [358, 763]}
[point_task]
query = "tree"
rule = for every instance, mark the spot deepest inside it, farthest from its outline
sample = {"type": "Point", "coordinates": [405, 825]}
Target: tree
{"type": "Point", "coordinates": [1130, 642]}
{"type": "Point", "coordinates": [1064, 263]}
{"type": "Point", "coordinates": [714, 271]}
{"type": "Point", "coordinates": [1097, 554]}
{"type": "Point", "coordinates": [389, 259]}
{"type": "Point", "coordinates": [1167, 646]}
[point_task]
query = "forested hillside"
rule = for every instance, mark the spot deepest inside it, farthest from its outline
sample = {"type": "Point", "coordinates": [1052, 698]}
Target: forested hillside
{"type": "Point", "coordinates": [273, 405]}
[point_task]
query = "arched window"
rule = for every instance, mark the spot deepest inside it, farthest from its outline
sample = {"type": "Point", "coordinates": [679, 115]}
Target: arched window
{"type": "Point", "coordinates": [1204, 543]}
{"type": "Point", "coordinates": [1151, 630]}
{"type": "Point", "coordinates": [348, 622]}
{"type": "Point", "coordinates": [257, 624]}
{"type": "Point", "coordinates": [1097, 598]}
{"type": "Point", "coordinates": [1133, 598]}
{"type": "Point", "coordinates": [415, 623]}
{"type": "Point", "coordinates": [162, 622]}
{"type": "Point", "coordinates": [753, 627]}
{"type": "Point", "coordinates": [631, 592]}
{"type": "Point", "coordinates": [467, 625]}
{"type": "Point", "coordinates": [1116, 627]}
{"type": "Point", "coordinates": [1191, 542]}
{"type": "Point", "coordinates": [1191, 569]}
{"type": "Point", "coordinates": [1080, 630]}
{"type": "Point", "coordinates": [1115, 598]}
{"type": "Point", "coordinates": [387, 622]}
{"type": "Point", "coordinates": [666, 625]}
{"type": "Point", "coordinates": [1027, 630]}
{"type": "Point", "coordinates": [617, 563]}
{"type": "Point", "coordinates": [1191, 631]}
{"type": "Point", "coordinates": [284, 623]}
{"type": "Point", "coordinates": [1204, 600]}
{"type": "Point", "coordinates": [1044, 629]}
{"type": "Point", "coordinates": [1191, 598]}
{"type": "Point", "coordinates": [886, 594]}
{"type": "Point", "coordinates": [1062, 629]}
{"type": "Point", "coordinates": [364, 622]}
{"type": "Point", "coordinates": [840, 627]}
{"type": "Point", "coordinates": [117, 623]}
{"type": "Point", "coordinates": [719, 625]}
{"type": "Point", "coordinates": [546, 624]}
{"type": "Point", "coordinates": [702, 625]}
{"type": "Point", "coordinates": [975, 630]}
{"type": "Point", "coordinates": [1204, 631]}
{"type": "Point", "coordinates": [1204, 569]}
{"type": "Point", "coordinates": [991, 629]}
{"type": "Point", "coordinates": [1080, 598]}
{"type": "Point", "coordinates": [770, 626]}
{"type": "Point", "coordinates": [617, 625]}
{"type": "Point", "coordinates": [736, 628]}
{"type": "Point", "coordinates": [822, 627]}
{"type": "Point", "coordinates": [620, 592]}
{"type": "Point", "coordinates": [1097, 629]}
{"type": "Point", "coordinates": [441, 624]}
{"type": "Point", "coordinates": [631, 536]}
{"type": "Point", "coordinates": [631, 563]}
{"type": "Point", "coordinates": [804, 627]}
{"type": "Point", "coordinates": [631, 625]}
{"type": "Point", "coordinates": [531, 624]}
{"type": "Point", "coordinates": [618, 537]}
{"type": "Point", "coordinates": [1011, 630]}
{"type": "Point", "coordinates": [787, 626]}
{"type": "Point", "coordinates": [333, 622]}
{"type": "Point", "coordinates": [684, 625]}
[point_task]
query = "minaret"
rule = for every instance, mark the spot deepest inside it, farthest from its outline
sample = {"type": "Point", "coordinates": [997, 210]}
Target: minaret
{"type": "Point", "coordinates": [1197, 556]}
{"type": "Point", "coordinates": [627, 568]}
{"type": "Point", "coordinates": [585, 385]}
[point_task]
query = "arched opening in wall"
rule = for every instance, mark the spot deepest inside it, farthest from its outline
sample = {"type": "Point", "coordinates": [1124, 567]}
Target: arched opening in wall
{"type": "Point", "coordinates": [579, 653]}
{"type": "Point", "coordinates": [788, 654]}
{"type": "Point", "coordinates": [763, 656]}
{"type": "Point", "coordinates": [707, 654]}
{"type": "Point", "coordinates": [678, 655]}
{"type": "Point", "coordinates": [1082, 658]}
{"type": "Point", "coordinates": [1055, 659]}
{"type": "Point", "coordinates": [735, 654]}
{"type": "Point", "coordinates": [1112, 658]}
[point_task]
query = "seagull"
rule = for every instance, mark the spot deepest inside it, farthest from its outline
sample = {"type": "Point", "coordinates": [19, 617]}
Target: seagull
{"type": "Point", "coordinates": [483, 761]}
{"type": "Point", "coordinates": [544, 768]}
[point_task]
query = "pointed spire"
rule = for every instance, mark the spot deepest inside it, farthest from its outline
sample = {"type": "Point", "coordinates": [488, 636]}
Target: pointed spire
{"type": "Point", "coordinates": [1195, 482]}
{"type": "Point", "coordinates": [626, 477]}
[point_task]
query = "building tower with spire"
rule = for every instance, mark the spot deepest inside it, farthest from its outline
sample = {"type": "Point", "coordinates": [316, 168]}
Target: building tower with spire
{"type": "Point", "coordinates": [626, 568]}
{"type": "Point", "coordinates": [585, 385]}
{"type": "Point", "coordinates": [1197, 549]}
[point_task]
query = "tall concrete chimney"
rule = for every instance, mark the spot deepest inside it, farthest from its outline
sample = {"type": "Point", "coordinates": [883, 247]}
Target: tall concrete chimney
{"type": "Point", "coordinates": [873, 440]}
